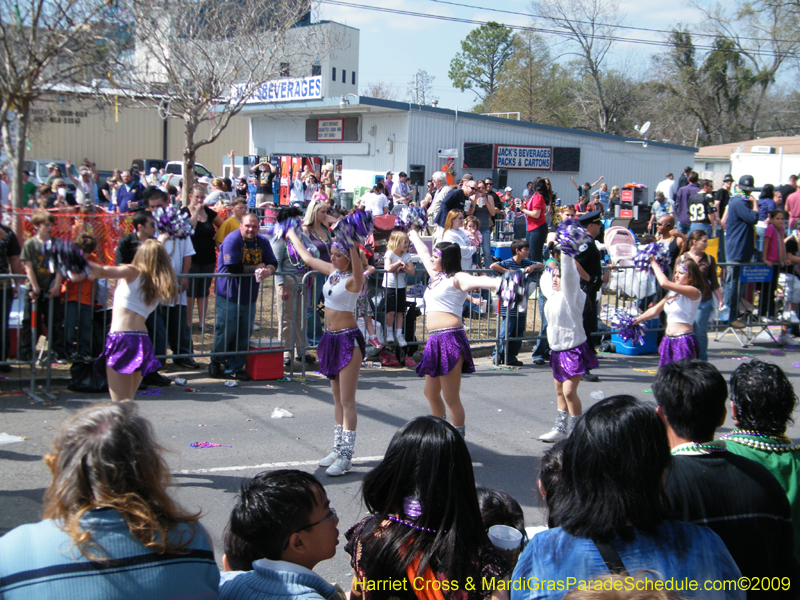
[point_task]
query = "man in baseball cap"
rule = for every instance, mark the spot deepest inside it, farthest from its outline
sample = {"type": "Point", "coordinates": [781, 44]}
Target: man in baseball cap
{"type": "Point", "coordinates": [742, 214]}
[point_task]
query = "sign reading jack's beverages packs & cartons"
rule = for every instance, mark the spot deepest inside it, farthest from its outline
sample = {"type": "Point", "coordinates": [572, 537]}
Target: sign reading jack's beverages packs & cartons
{"type": "Point", "coordinates": [532, 158]}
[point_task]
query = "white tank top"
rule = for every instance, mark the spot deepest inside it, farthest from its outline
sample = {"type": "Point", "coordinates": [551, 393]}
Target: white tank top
{"type": "Point", "coordinates": [336, 295]}
{"type": "Point", "coordinates": [129, 295]}
{"type": "Point", "coordinates": [680, 308]}
{"type": "Point", "coordinates": [441, 295]}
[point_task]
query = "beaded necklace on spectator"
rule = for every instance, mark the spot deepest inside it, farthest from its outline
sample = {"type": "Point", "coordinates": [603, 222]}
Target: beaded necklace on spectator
{"type": "Point", "coordinates": [778, 444]}
{"type": "Point", "coordinates": [695, 449]}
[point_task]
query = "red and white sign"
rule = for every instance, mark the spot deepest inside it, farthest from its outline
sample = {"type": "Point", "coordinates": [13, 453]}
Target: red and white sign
{"type": "Point", "coordinates": [626, 196]}
{"type": "Point", "coordinates": [625, 213]}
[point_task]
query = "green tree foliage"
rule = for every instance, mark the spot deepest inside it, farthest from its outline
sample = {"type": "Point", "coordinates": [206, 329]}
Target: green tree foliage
{"type": "Point", "coordinates": [483, 53]}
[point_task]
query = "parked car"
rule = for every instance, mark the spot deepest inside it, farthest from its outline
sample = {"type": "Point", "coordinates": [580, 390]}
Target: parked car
{"type": "Point", "coordinates": [175, 167]}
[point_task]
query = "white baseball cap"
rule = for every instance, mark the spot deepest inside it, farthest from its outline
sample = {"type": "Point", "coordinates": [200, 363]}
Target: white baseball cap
{"type": "Point", "coordinates": [508, 189]}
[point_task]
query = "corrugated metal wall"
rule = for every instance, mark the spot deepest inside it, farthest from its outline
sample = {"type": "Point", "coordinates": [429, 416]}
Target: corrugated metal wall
{"type": "Point", "coordinates": [618, 161]}
{"type": "Point", "coordinates": [63, 132]}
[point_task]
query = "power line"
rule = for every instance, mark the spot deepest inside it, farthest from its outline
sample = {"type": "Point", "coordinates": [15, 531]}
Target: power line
{"type": "Point", "coordinates": [558, 32]}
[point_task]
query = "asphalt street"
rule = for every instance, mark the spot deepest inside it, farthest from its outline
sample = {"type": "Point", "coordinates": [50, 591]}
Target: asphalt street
{"type": "Point", "coordinates": [506, 411]}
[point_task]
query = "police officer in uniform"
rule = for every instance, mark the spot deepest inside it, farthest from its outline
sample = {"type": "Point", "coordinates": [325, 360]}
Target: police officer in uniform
{"type": "Point", "coordinates": [591, 278]}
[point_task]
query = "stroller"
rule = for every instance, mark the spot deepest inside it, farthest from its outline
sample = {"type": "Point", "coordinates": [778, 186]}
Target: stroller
{"type": "Point", "coordinates": [621, 247]}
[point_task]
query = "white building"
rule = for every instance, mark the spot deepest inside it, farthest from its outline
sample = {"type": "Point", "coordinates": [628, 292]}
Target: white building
{"type": "Point", "coordinates": [768, 160]}
{"type": "Point", "coordinates": [372, 136]}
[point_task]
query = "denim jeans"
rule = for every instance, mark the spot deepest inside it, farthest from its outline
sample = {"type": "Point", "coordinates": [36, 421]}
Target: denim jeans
{"type": "Point", "coordinates": [701, 326]}
{"type": "Point", "coordinates": [515, 325]}
{"type": "Point", "coordinates": [542, 348]}
{"type": "Point", "coordinates": [486, 247]}
{"type": "Point", "coordinates": [684, 228]}
{"type": "Point", "coordinates": [536, 240]}
{"type": "Point", "coordinates": [232, 332]}
{"type": "Point", "coordinates": [178, 334]}
{"type": "Point", "coordinates": [733, 291]}
{"type": "Point", "coordinates": [701, 227]}
{"type": "Point", "coordinates": [78, 322]}
{"type": "Point", "coordinates": [721, 250]}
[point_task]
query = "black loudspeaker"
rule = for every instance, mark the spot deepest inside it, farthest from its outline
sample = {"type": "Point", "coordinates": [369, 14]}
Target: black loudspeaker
{"type": "Point", "coordinates": [499, 179]}
{"type": "Point", "coordinates": [416, 174]}
{"type": "Point", "coordinates": [626, 223]}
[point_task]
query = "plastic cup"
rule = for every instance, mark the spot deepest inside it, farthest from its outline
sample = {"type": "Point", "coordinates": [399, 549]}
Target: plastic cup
{"type": "Point", "coordinates": [508, 541]}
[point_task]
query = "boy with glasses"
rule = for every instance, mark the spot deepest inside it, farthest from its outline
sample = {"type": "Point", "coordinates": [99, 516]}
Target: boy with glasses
{"type": "Point", "coordinates": [285, 518]}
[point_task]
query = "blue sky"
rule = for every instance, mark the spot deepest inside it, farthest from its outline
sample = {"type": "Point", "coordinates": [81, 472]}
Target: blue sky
{"type": "Point", "coordinates": [394, 47]}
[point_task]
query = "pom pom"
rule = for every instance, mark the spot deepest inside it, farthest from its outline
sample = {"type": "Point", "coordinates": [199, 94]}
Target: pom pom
{"type": "Point", "coordinates": [279, 230]}
{"type": "Point", "coordinates": [572, 238]}
{"type": "Point", "coordinates": [411, 217]}
{"type": "Point", "coordinates": [65, 257]}
{"type": "Point", "coordinates": [353, 230]}
{"type": "Point", "coordinates": [629, 332]}
{"type": "Point", "coordinates": [174, 223]}
{"type": "Point", "coordinates": [512, 289]}
{"type": "Point", "coordinates": [654, 250]}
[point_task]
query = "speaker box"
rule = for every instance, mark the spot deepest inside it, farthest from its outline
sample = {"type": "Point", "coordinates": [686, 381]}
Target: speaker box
{"type": "Point", "coordinates": [416, 174]}
{"type": "Point", "coordinates": [626, 223]}
{"type": "Point", "coordinates": [499, 179]}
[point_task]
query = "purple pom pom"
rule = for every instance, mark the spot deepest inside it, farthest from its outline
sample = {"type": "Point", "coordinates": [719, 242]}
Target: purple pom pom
{"type": "Point", "coordinates": [353, 230]}
{"type": "Point", "coordinates": [654, 250]}
{"type": "Point", "coordinates": [65, 257]}
{"type": "Point", "coordinates": [411, 216]}
{"type": "Point", "coordinates": [512, 289]}
{"type": "Point", "coordinates": [279, 230]}
{"type": "Point", "coordinates": [174, 223]}
{"type": "Point", "coordinates": [629, 332]}
{"type": "Point", "coordinates": [572, 238]}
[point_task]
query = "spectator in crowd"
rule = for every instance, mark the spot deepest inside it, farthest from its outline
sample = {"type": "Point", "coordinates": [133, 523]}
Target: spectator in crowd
{"type": "Point", "coordinates": [110, 529]}
{"type": "Point", "coordinates": [774, 255]}
{"type": "Point", "coordinates": [697, 243]}
{"type": "Point", "coordinates": [144, 228]}
{"type": "Point", "coordinates": [736, 498]}
{"type": "Point", "coordinates": [534, 211]}
{"type": "Point", "coordinates": [42, 288]}
{"type": "Point", "coordinates": [441, 189]}
{"type": "Point", "coordinates": [205, 222]}
{"type": "Point", "coordinates": [243, 252]}
{"type": "Point", "coordinates": [665, 187]}
{"type": "Point", "coordinates": [287, 518]}
{"type": "Point", "coordinates": [456, 199]}
{"type": "Point", "coordinates": [59, 196]}
{"type": "Point", "coordinates": [388, 183]}
{"type": "Point", "coordinates": [10, 263]}
{"type": "Point", "coordinates": [129, 194]}
{"type": "Point", "coordinates": [762, 403]}
{"type": "Point", "coordinates": [85, 184]}
{"type": "Point", "coordinates": [661, 206]}
{"type": "Point", "coordinates": [513, 320]}
{"type": "Point", "coordinates": [29, 189]}
{"type": "Point", "coordinates": [54, 172]}
{"type": "Point", "coordinates": [428, 198]}
{"type": "Point", "coordinates": [703, 209]}
{"type": "Point", "coordinates": [79, 305]}
{"type": "Point", "coordinates": [402, 192]}
{"type": "Point", "coordinates": [742, 214]}
{"type": "Point", "coordinates": [608, 500]}
{"type": "Point", "coordinates": [683, 181]}
{"type": "Point", "coordinates": [788, 188]}
{"type": "Point", "coordinates": [583, 191]}
{"type": "Point", "coordinates": [233, 222]}
{"type": "Point", "coordinates": [291, 264]}
{"type": "Point", "coordinates": [684, 194]}
{"type": "Point", "coordinates": [484, 209]}
{"type": "Point", "coordinates": [375, 201]}
{"type": "Point", "coordinates": [217, 194]}
{"type": "Point", "coordinates": [424, 520]}
{"type": "Point", "coordinates": [721, 198]}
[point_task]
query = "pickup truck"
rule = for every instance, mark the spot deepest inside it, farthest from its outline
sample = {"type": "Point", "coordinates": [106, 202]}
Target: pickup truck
{"type": "Point", "coordinates": [175, 168]}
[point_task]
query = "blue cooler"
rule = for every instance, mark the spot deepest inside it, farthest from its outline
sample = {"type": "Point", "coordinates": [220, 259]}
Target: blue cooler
{"type": "Point", "coordinates": [501, 250]}
{"type": "Point", "coordinates": [650, 345]}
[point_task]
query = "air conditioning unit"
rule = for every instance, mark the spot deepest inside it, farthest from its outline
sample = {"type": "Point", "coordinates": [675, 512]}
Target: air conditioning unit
{"type": "Point", "coordinates": [762, 150]}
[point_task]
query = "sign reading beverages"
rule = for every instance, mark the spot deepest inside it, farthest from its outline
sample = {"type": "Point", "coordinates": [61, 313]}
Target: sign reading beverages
{"type": "Point", "coordinates": [532, 158]}
{"type": "Point", "coordinates": [283, 90]}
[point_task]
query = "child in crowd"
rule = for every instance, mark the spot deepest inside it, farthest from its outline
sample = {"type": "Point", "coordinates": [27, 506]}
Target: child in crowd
{"type": "Point", "coordinates": [80, 305]}
{"type": "Point", "coordinates": [499, 508]}
{"type": "Point", "coordinates": [570, 355]}
{"type": "Point", "coordinates": [42, 288]}
{"type": "Point", "coordinates": [774, 255]}
{"type": "Point", "coordinates": [513, 323]}
{"type": "Point", "coordinates": [683, 299]}
{"type": "Point", "coordinates": [363, 306]}
{"type": "Point", "coordinates": [471, 226]}
{"type": "Point", "coordinates": [397, 264]}
{"type": "Point", "coordinates": [791, 286]}
{"type": "Point", "coordinates": [286, 517]}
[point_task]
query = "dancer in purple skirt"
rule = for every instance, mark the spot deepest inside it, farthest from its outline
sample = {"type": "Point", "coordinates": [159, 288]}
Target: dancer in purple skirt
{"type": "Point", "coordinates": [570, 355]}
{"type": "Point", "coordinates": [341, 348]}
{"type": "Point", "coordinates": [447, 353]}
{"type": "Point", "coordinates": [143, 284]}
{"type": "Point", "coordinates": [680, 304]}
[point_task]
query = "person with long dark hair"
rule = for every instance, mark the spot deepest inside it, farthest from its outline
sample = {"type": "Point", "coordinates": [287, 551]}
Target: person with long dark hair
{"type": "Point", "coordinates": [111, 531]}
{"type": "Point", "coordinates": [696, 245]}
{"type": "Point", "coordinates": [425, 523]}
{"type": "Point", "coordinates": [534, 211]}
{"type": "Point", "coordinates": [608, 502]}
{"type": "Point", "coordinates": [447, 353]}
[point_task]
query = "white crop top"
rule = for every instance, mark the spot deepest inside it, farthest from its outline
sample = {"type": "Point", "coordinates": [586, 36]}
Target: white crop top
{"type": "Point", "coordinates": [681, 309]}
{"type": "Point", "coordinates": [441, 295]}
{"type": "Point", "coordinates": [337, 296]}
{"type": "Point", "coordinates": [129, 295]}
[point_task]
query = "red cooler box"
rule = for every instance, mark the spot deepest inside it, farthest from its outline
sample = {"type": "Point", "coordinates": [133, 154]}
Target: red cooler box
{"type": "Point", "coordinates": [264, 366]}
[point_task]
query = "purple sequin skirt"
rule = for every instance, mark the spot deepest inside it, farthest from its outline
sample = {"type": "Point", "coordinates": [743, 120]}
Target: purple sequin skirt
{"type": "Point", "coordinates": [677, 347]}
{"type": "Point", "coordinates": [442, 351]}
{"type": "Point", "coordinates": [566, 364]}
{"type": "Point", "coordinates": [335, 350]}
{"type": "Point", "coordinates": [127, 352]}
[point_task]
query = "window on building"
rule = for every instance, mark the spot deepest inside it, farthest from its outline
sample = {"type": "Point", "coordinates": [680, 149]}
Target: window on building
{"type": "Point", "coordinates": [709, 166]}
{"type": "Point", "coordinates": [316, 70]}
{"type": "Point", "coordinates": [353, 76]}
{"type": "Point", "coordinates": [344, 75]}
{"type": "Point", "coordinates": [284, 69]}
{"type": "Point", "coordinates": [333, 74]}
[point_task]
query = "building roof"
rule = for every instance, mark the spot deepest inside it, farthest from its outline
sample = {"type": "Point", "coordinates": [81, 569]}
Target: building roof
{"type": "Point", "coordinates": [790, 145]}
{"type": "Point", "coordinates": [361, 104]}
